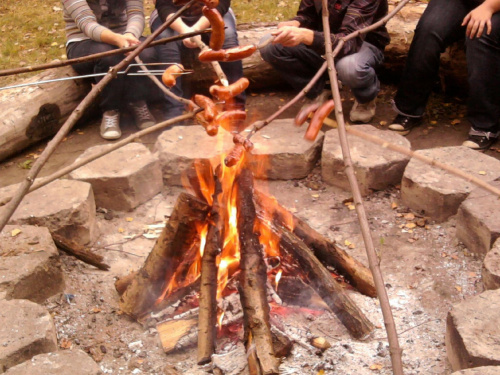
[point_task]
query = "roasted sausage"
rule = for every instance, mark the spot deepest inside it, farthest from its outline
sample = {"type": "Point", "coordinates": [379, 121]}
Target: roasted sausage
{"type": "Point", "coordinates": [210, 109]}
{"type": "Point", "coordinates": [317, 120]}
{"type": "Point", "coordinates": [210, 55]}
{"type": "Point", "coordinates": [234, 155]}
{"type": "Point", "coordinates": [210, 127]}
{"type": "Point", "coordinates": [239, 52]}
{"type": "Point", "coordinates": [247, 144]}
{"type": "Point", "coordinates": [217, 23]}
{"type": "Point", "coordinates": [170, 74]}
{"type": "Point", "coordinates": [228, 92]}
{"type": "Point", "coordinates": [305, 112]}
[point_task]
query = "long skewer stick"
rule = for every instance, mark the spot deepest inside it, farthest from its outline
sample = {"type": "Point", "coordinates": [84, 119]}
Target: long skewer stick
{"type": "Point", "coordinates": [74, 117]}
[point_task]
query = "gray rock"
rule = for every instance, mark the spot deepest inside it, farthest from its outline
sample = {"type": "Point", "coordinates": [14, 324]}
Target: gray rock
{"type": "Point", "coordinates": [27, 330]}
{"type": "Point", "coordinates": [491, 267]}
{"type": "Point", "coordinates": [282, 153]}
{"type": "Point", "coordinates": [29, 264]}
{"type": "Point", "coordinates": [478, 220]}
{"type": "Point", "coordinates": [178, 148]}
{"type": "Point", "coordinates": [487, 370]}
{"type": "Point", "coordinates": [65, 207]}
{"type": "Point", "coordinates": [74, 362]}
{"type": "Point", "coordinates": [473, 332]}
{"type": "Point", "coordinates": [376, 167]}
{"type": "Point", "coordinates": [122, 179]}
{"type": "Point", "coordinates": [438, 193]}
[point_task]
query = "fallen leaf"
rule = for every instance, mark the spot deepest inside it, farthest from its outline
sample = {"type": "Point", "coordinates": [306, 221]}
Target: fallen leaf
{"type": "Point", "coordinates": [394, 205]}
{"type": "Point", "coordinates": [129, 219]}
{"type": "Point", "coordinates": [482, 173]}
{"type": "Point", "coordinates": [121, 230]}
{"type": "Point", "coordinates": [383, 123]}
{"type": "Point", "coordinates": [65, 344]}
{"type": "Point", "coordinates": [472, 274]}
{"type": "Point", "coordinates": [351, 207]}
{"type": "Point", "coordinates": [315, 195]}
{"type": "Point", "coordinates": [95, 310]}
{"type": "Point", "coordinates": [410, 225]}
{"type": "Point", "coordinates": [351, 246]}
{"type": "Point", "coordinates": [433, 122]}
{"type": "Point", "coordinates": [455, 122]}
{"type": "Point", "coordinates": [409, 216]}
{"type": "Point", "coordinates": [376, 367]}
{"type": "Point", "coordinates": [15, 232]}
{"type": "Point", "coordinates": [459, 288]}
{"type": "Point", "coordinates": [347, 243]}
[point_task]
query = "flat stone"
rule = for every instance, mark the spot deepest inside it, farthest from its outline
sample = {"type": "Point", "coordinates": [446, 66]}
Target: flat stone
{"type": "Point", "coordinates": [65, 207]}
{"type": "Point", "coordinates": [29, 264]}
{"type": "Point", "coordinates": [376, 167]}
{"type": "Point", "coordinates": [27, 330]}
{"type": "Point", "coordinates": [437, 193]}
{"type": "Point", "coordinates": [281, 152]}
{"type": "Point", "coordinates": [473, 332]}
{"type": "Point", "coordinates": [486, 370]}
{"type": "Point", "coordinates": [179, 147]}
{"type": "Point", "coordinates": [74, 362]}
{"type": "Point", "coordinates": [122, 179]}
{"type": "Point", "coordinates": [491, 267]}
{"type": "Point", "coordinates": [478, 220]}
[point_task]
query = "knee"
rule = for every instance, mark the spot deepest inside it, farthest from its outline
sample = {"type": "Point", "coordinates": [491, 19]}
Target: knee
{"type": "Point", "coordinates": [354, 74]}
{"type": "Point", "coordinates": [272, 53]}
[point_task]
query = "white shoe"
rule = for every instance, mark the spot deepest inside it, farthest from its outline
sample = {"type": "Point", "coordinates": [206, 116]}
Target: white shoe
{"type": "Point", "coordinates": [363, 112]}
{"type": "Point", "coordinates": [110, 125]}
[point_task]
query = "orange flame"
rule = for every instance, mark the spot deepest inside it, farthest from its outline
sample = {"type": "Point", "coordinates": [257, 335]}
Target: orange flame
{"type": "Point", "coordinates": [219, 320]}
{"type": "Point", "coordinates": [277, 278]}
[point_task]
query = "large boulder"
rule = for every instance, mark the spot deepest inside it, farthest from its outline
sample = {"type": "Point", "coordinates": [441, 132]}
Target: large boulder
{"type": "Point", "coordinates": [27, 330]}
{"type": "Point", "coordinates": [478, 220]}
{"type": "Point", "coordinates": [491, 267]}
{"type": "Point", "coordinates": [122, 179]}
{"type": "Point", "coordinates": [65, 207]}
{"type": "Point", "coordinates": [473, 332]}
{"type": "Point", "coordinates": [29, 264]}
{"type": "Point", "coordinates": [438, 193]}
{"type": "Point", "coordinates": [376, 167]}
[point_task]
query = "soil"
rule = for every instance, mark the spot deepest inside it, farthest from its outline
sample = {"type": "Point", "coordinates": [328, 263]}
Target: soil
{"type": "Point", "coordinates": [426, 269]}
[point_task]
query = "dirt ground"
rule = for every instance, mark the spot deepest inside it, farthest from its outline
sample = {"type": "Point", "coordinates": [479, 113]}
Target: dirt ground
{"type": "Point", "coordinates": [426, 270]}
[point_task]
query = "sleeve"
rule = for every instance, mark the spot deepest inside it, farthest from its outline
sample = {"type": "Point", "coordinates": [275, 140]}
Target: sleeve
{"type": "Point", "coordinates": [84, 18]}
{"type": "Point", "coordinates": [359, 14]}
{"type": "Point", "coordinates": [135, 18]}
{"type": "Point", "coordinates": [307, 15]}
{"type": "Point", "coordinates": [165, 8]}
{"type": "Point", "coordinates": [223, 6]}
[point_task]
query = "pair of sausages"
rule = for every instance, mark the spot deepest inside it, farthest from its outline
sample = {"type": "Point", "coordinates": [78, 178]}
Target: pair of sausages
{"type": "Point", "coordinates": [320, 112]}
{"type": "Point", "coordinates": [227, 55]}
{"type": "Point", "coordinates": [241, 144]}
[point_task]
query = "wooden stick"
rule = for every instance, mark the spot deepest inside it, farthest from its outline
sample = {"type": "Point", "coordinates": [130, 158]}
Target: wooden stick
{"type": "Point", "coordinates": [253, 278]}
{"type": "Point", "coordinates": [167, 254]}
{"type": "Point", "coordinates": [75, 116]}
{"type": "Point", "coordinates": [395, 350]}
{"type": "Point", "coordinates": [326, 251]}
{"type": "Point", "coordinates": [207, 322]}
{"type": "Point", "coordinates": [325, 285]}
{"type": "Point", "coordinates": [79, 252]}
{"type": "Point", "coordinates": [95, 56]}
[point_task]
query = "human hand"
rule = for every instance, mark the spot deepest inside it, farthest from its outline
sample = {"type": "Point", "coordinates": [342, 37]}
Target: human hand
{"type": "Point", "coordinates": [288, 23]}
{"type": "Point", "coordinates": [477, 20]}
{"type": "Point", "coordinates": [291, 36]}
{"type": "Point", "coordinates": [192, 42]}
{"type": "Point", "coordinates": [131, 39]}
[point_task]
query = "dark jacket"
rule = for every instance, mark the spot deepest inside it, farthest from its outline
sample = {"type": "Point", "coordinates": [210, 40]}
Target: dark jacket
{"type": "Point", "coordinates": [345, 16]}
{"type": "Point", "coordinates": [192, 14]}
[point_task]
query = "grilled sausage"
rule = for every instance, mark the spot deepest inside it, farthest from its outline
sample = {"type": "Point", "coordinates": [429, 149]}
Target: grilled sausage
{"type": "Point", "coordinates": [228, 92]}
{"type": "Point", "coordinates": [210, 109]}
{"type": "Point", "coordinates": [217, 23]}
{"type": "Point", "coordinates": [305, 112]}
{"type": "Point", "coordinates": [317, 120]}
{"type": "Point", "coordinates": [240, 52]}
{"type": "Point", "coordinates": [170, 74]}
{"type": "Point", "coordinates": [235, 155]}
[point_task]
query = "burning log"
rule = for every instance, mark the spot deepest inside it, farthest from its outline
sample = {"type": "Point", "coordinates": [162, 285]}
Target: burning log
{"type": "Point", "coordinates": [325, 285]}
{"type": "Point", "coordinates": [208, 288]}
{"type": "Point", "coordinates": [327, 252]}
{"type": "Point", "coordinates": [178, 235]}
{"type": "Point", "coordinates": [252, 288]}
{"type": "Point", "coordinates": [172, 331]}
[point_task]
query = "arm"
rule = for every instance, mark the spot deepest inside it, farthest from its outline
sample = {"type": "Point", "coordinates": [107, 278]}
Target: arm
{"type": "Point", "coordinates": [307, 16]}
{"type": "Point", "coordinates": [480, 17]}
{"type": "Point", "coordinates": [135, 18]}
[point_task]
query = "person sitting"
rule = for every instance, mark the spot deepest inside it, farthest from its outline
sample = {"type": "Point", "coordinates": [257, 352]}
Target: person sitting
{"type": "Point", "coordinates": [299, 44]}
{"type": "Point", "coordinates": [443, 23]}
{"type": "Point", "coordinates": [95, 26]}
{"type": "Point", "coordinates": [193, 20]}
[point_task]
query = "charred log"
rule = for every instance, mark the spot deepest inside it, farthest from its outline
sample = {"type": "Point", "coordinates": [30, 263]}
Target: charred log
{"type": "Point", "coordinates": [79, 252]}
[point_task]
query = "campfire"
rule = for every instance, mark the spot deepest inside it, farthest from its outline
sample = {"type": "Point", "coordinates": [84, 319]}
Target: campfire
{"type": "Point", "coordinates": [219, 264]}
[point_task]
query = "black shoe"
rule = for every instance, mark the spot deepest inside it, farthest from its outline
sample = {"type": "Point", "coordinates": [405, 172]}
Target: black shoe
{"type": "Point", "coordinates": [479, 140]}
{"type": "Point", "coordinates": [403, 124]}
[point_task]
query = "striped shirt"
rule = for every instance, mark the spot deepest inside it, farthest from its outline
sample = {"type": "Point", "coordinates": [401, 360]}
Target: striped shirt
{"type": "Point", "coordinates": [86, 19]}
{"type": "Point", "coordinates": [345, 17]}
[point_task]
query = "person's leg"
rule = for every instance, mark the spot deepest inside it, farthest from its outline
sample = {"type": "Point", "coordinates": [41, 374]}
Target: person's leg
{"type": "Point", "coordinates": [483, 60]}
{"type": "Point", "coordinates": [439, 26]}
{"type": "Point", "coordinates": [233, 70]}
{"type": "Point", "coordinates": [357, 71]}
{"type": "Point", "coordinates": [297, 65]}
{"type": "Point", "coordinates": [170, 53]}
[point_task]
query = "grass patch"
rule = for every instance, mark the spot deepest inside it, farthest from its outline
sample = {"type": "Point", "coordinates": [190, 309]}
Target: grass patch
{"type": "Point", "coordinates": [33, 33]}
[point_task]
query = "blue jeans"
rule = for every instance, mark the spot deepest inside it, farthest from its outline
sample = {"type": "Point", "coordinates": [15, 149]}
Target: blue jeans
{"type": "Point", "coordinates": [172, 52]}
{"type": "Point", "coordinates": [440, 26]}
{"type": "Point", "coordinates": [299, 64]}
{"type": "Point", "coordinates": [124, 88]}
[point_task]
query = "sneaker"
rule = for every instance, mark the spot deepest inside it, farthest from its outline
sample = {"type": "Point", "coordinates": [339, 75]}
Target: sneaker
{"type": "Point", "coordinates": [363, 112]}
{"type": "Point", "coordinates": [143, 118]}
{"type": "Point", "coordinates": [479, 140]}
{"type": "Point", "coordinates": [403, 124]}
{"type": "Point", "coordinates": [110, 125]}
